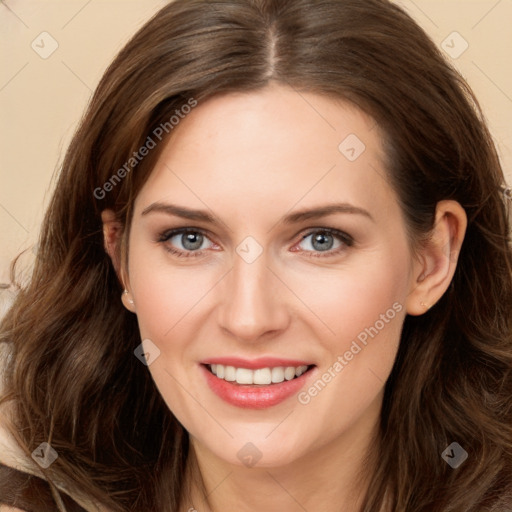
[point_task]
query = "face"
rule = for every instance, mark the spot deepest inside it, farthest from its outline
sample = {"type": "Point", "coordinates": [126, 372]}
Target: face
{"type": "Point", "coordinates": [268, 248]}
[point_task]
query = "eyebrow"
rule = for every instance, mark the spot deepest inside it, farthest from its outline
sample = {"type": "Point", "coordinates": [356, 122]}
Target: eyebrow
{"type": "Point", "coordinates": [291, 218]}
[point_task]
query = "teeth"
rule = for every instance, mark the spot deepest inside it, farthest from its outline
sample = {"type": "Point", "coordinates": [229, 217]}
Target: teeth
{"type": "Point", "coordinates": [277, 374]}
{"type": "Point", "coordinates": [262, 376]}
{"type": "Point", "coordinates": [259, 376]}
{"type": "Point", "coordinates": [289, 373]}
{"type": "Point", "coordinates": [300, 370]}
{"type": "Point", "coordinates": [244, 376]}
{"type": "Point", "coordinates": [229, 373]}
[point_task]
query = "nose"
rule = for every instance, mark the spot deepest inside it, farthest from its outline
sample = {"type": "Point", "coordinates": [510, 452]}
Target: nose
{"type": "Point", "coordinates": [252, 306]}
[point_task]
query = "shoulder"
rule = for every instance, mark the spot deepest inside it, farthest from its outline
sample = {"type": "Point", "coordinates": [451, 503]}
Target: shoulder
{"type": "Point", "coordinates": [16, 470]}
{"type": "Point", "coordinates": [19, 472]}
{"type": "Point", "coordinates": [11, 453]}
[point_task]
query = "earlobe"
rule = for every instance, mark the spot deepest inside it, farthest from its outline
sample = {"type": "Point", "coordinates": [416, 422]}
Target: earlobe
{"type": "Point", "coordinates": [127, 301]}
{"type": "Point", "coordinates": [438, 258]}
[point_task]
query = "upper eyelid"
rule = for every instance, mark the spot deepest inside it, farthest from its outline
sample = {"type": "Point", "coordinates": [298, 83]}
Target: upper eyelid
{"type": "Point", "coordinates": [168, 233]}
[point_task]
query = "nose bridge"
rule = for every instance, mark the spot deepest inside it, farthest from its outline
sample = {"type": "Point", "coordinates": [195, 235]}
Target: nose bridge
{"type": "Point", "coordinates": [251, 304]}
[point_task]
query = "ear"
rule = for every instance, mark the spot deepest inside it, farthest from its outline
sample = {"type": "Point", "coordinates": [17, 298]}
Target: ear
{"type": "Point", "coordinates": [112, 237]}
{"type": "Point", "coordinates": [437, 258]}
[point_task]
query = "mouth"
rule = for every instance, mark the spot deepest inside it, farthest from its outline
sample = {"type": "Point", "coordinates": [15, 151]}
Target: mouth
{"type": "Point", "coordinates": [258, 387]}
{"type": "Point", "coordinates": [257, 377]}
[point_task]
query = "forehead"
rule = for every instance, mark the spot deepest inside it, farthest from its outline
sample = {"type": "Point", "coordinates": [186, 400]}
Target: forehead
{"type": "Point", "coordinates": [274, 147]}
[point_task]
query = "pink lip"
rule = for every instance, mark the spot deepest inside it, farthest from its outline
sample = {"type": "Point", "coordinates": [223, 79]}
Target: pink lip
{"type": "Point", "coordinates": [254, 364]}
{"type": "Point", "coordinates": [254, 396]}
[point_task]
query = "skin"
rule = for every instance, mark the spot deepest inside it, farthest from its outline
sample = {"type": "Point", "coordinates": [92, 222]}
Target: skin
{"type": "Point", "coordinates": [250, 159]}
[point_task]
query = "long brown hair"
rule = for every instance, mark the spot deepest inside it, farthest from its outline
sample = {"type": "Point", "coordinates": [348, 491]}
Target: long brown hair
{"type": "Point", "coordinates": [73, 379]}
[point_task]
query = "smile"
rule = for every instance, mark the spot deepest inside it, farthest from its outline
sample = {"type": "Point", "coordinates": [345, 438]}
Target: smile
{"type": "Point", "coordinates": [268, 381]}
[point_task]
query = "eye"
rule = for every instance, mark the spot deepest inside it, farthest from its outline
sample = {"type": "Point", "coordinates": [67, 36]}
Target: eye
{"type": "Point", "coordinates": [183, 242]}
{"type": "Point", "coordinates": [191, 242]}
{"type": "Point", "coordinates": [325, 241]}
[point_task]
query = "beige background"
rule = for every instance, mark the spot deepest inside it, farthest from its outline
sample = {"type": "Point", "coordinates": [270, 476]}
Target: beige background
{"type": "Point", "coordinates": [41, 100]}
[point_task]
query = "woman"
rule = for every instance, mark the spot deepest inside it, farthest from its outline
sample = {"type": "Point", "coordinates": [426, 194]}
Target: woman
{"type": "Point", "coordinates": [275, 274]}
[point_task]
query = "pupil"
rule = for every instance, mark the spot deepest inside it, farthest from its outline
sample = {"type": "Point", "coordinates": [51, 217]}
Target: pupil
{"type": "Point", "coordinates": [323, 242]}
{"type": "Point", "coordinates": [192, 241]}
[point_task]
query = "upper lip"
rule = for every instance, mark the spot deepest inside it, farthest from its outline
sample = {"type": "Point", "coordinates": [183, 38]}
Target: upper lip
{"type": "Point", "coordinates": [254, 364]}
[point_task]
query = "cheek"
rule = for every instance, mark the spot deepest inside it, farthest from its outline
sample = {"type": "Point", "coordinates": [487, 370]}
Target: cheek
{"type": "Point", "coordinates": [169, 301]}
{"type": "Point", "coordinates": [364, 311]}
{"type": "Point", "coordinates": [167, 296]}
{"type": "Point", "coordinates": [364, 305]}
{"type": "Point", "coordinates": [355, 298]}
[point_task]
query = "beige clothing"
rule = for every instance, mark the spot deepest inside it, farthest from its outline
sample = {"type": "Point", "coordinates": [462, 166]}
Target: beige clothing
{"type": "Point", "coordinates": [11, 453]}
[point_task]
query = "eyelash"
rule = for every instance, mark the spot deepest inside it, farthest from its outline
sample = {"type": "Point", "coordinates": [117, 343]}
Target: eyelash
{"type": "Point", "coordinates": [343, 237]}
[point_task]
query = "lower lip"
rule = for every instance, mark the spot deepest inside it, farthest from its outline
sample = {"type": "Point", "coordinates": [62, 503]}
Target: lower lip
{"type": "Point", "coordinates": [254, 396]}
